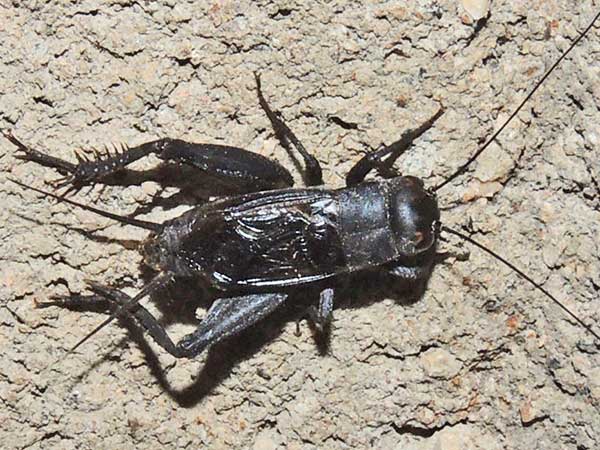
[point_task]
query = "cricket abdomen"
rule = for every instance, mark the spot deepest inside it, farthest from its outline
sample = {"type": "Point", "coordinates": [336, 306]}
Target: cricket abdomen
{"type": "Point", "coordinates": [279, 238]}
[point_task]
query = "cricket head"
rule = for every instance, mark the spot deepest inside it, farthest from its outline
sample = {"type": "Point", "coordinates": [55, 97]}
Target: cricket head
{"type": "Point", "coordinates": [414, 216]}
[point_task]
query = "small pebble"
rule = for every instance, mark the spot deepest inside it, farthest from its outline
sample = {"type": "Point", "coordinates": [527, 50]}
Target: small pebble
{"type": "Point", "coordinates": [477, 9]}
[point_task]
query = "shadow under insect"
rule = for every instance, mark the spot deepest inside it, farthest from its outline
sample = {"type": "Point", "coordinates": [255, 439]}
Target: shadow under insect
{"type": "Point", "coordinates": [179, 303]}
{"type": "Point", "coordinates": [262, 252]}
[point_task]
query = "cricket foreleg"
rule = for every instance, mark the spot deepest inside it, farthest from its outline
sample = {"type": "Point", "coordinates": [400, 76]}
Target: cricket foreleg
{"type": "Point", "coordinates": [411, 273]}
{"type": "Point", "coordinates": [383, 159]}
{"type": "Point", "coordinates": [412, 278]}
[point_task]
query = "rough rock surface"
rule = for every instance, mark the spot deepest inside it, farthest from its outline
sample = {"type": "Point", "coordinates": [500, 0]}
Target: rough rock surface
{"type": "Point", "coordinates": [480, 361]}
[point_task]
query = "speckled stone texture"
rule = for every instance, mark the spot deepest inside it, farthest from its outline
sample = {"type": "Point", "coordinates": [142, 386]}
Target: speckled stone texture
{"type": "Point", "coordinates": [481, 361]}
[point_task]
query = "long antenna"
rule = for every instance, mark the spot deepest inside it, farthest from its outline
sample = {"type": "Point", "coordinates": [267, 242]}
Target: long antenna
{"type": "Point", "coordinates": [462, 168]}
{"type": "Point", "coordinates": [153, 226]}
{"type": "Point", "coordinates": [522, 275]}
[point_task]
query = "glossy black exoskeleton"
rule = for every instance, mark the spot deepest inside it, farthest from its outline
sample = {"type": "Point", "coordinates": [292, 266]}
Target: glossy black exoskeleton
{"type": "Point", "coordinates": [255, 246]}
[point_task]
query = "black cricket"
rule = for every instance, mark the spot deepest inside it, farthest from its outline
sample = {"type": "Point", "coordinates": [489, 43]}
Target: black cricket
{"type": "Point", "coordinates": [273, 237]}
{"type": "Point", "coordinates": [256, 246]}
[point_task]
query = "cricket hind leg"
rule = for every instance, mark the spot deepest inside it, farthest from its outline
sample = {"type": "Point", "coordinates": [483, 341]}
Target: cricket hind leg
{"type": "Point", "coordinates": [228, 317]}
{"type": "Point", "coordinates": [108, 300]}
{"type": "Point", "coordinates": [383, 159]}
{"type": "Point", "coordinates": [313, 175]}
{"type": "Point", "coordinates": [248, 171]}
{"type": "Point", "coordinates": [225, 318]}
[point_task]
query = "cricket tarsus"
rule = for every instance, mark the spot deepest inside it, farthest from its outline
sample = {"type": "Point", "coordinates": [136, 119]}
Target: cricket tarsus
{"type": "Point", "coordinates": [29, 154]}
{"type": "Point", "coordinates": [156, 283]}
{"type": "Point", "coordinates": [464, 167]}
{"type": "Point", "coordinates": [522, 275]}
